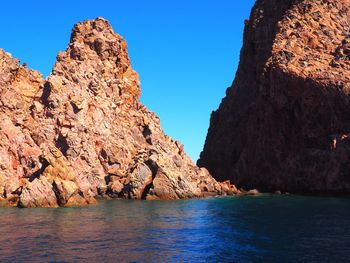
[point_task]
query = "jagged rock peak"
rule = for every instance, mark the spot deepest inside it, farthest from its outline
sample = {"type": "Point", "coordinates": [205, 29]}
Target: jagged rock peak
{"type": "Point", "coordinates": [97, 61]}
{"type": "Point", "coordinates": [97, 26]}
{"type": "Point", "coordinates": [99, 36]}
{"type": "Point", "coordinates": [83, 133]}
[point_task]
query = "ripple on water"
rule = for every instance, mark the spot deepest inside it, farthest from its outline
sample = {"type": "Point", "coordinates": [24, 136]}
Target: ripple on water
{"type": "Point", "coordinates": [246, 229]}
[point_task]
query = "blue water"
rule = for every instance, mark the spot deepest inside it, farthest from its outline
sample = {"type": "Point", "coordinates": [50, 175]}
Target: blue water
{"type": "Point", "coordinates": [237, 229]}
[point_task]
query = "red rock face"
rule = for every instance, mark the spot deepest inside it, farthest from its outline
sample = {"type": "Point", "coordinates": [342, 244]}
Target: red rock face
{"type": "Point", "coordinates": [83, 134]}
{"type": "Point", "coordinates": [284, 124]}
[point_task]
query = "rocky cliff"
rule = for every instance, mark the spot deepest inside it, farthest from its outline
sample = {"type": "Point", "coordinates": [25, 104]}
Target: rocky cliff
{"type": "Point", "coordinates": [82, 133]}
{"type": "Point", "coordinates": [285, 121]}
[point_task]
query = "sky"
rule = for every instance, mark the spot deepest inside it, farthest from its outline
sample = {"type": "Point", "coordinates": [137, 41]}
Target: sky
{"type": "Point", "coordinates": [186, 52]}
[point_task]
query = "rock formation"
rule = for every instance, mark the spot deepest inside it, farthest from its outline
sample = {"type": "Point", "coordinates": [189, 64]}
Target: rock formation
{"type": "Point", "coordinates": [284, 123]}
{"type": "Point", "coordinates": [83, 134]}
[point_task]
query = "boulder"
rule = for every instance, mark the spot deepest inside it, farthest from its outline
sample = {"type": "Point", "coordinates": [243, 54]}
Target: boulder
{"type": "Point", "coordinates": [38, 193]}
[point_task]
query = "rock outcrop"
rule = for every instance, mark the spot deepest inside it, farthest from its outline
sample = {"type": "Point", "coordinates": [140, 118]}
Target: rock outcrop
{"type": "Point", "coordinates": [284, 123]}
{"type": "Point", "coordinates": [82, 133]}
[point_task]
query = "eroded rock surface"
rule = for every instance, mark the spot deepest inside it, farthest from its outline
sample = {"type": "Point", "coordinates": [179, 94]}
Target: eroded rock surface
{"type": "Point", "coordinates": [83, 134]}
{"type": "Point", "coordinates": [284, 123]}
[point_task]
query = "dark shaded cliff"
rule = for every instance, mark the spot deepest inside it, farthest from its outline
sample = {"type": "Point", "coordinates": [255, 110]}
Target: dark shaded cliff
{"type": "Point", "coordinates": [285, 122]}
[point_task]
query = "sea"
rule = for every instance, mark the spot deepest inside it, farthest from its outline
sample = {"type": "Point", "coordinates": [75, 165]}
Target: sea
{"type": "Point", "coordinates": [265, 228]}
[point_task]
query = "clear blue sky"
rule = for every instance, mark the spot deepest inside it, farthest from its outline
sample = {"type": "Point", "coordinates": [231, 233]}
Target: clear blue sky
{"type": "Point", "coordinates": [186, 52]}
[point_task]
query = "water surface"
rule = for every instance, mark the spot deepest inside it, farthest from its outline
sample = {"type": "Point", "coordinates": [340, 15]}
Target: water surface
{"type": "Point", "coordinates": [237, 229]}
